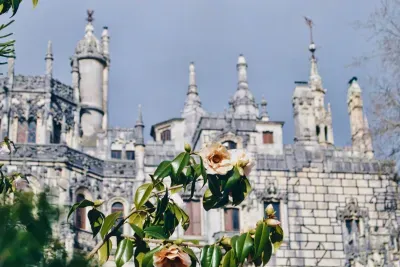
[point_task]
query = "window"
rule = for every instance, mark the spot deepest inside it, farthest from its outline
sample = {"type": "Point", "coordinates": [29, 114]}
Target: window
{"type": "Point", "coordinates": [268, 137]}
{"type": "Point", "coordinates": [326, 133]}
{"type": "Point", "coordinates": [230, 145]}
{"type": "Point", "coordinates": [118, 206]}
{"type": "Point", "coordinates": [56, 133]}
{"type": "Point", "coordinates": [166, 135]}
{"type": "Point", "coordinates": [130, 155]}
{"type": "Point", "coordinates": [232, 219]}
{"type": "Point", "coordinates": [276, 208]}
{"type": "Point", "coordinates": [22, 131]}
{"type": "Point", "coordinates": [193, 209]}
{"type": "Point", "coordinates": [80, 217]}
{"type": "Point", "coordinates": [116, 154]}
{"type": "Point", "coordinates": [349, 225]}
{"type": "Point", "coordinates": [32, 131]}
{"type": "Point", "coordinates": [317, 130]}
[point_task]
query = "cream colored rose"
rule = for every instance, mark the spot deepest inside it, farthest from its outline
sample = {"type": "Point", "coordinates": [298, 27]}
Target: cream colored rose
{"type": "Point", "coordinates": [172, 256]}
{"type": "Point", "coordinates": [242, 161]}
{"type": "Point", "coordinates": [216, 159]}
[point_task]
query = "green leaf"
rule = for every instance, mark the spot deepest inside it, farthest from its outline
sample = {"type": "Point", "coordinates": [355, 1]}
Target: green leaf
{"type": "Point", "coordinates": [276, 237]}
{"type": "Point", "coordinates": [156, 232]}
{"type": "Point", "coordinates": [15, 5]}
{"type": "Point", "coordinates": [104, 252]}
{"type": "Point", "coordinates": [143, 194]}
{"type": "Point", "coordinates": [214, 185]}
{"type": "Point", "coordinates": [229, 259]}
{"type": "Point", "coordinates": [192, 189]}
{"type": "Point", "coordinates": [83, 204]}
{"type": "Point", "coordinates": [96, 219]}
{"type": "Point", "coordinates": [216, 256]}
{"type": "Point", "coordinates": [209, 200]}
{"type": "Point", "coordinates": [203, 171]}
{"type": "Point", "coordinates": [109, 221]}
{"type": "Point", "coordinates": [124, 252]}
{"type": "Point", "coordinates": [210, 256]}
{"type": "Point", "coordinates": [261, 238]}
{"type": "Point", "coordinates": [190, 252]}
{"type": "Point", "coordinates": [137, 218]}
{"type": "Point", "coordinates": [163, 170]}
{"type": "Point", "coordinates": [141, 249]}
{"type": "Point", "coordinates": [148, 257]}
{"type": "Point", "coordinates": [35, 2]}
{"type": "Point", "coordinates": [180, 162]}
{"type": "Point", "coordinates": [137, 230]}
{"type": "Point", "coordinates": [170, 222]}
{"type": "Point", "coordinates": [243, 246]}
{"type": "Point", "coordinates": [161, 206]}
{"type": "Point", "coordinates": [180, 215]}
{"type": "Point", "coordinates": [267, 253]}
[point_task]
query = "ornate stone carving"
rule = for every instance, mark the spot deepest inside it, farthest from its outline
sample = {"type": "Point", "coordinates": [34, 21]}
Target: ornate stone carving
{"type": "Point", "coordinates": [62, 90]}
{"type": "Point", "coordinates": [351, 211]}
{"type": "Point", "coordinates": [29, 83]}
{"type": "Point", "coordinates": [59, 109]}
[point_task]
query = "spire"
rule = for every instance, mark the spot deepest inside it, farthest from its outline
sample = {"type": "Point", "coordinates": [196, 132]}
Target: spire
{"type": "Point", "coordinates": [192, 102]}
{"type": "Point", "coordinates": [11, 70]}
{"type": "Point", "coordinates": [105, 39]}
{"type": "Point", "coordinates": [354, 88]}
{"type": "Point", "coordinates": [49, 59]}
{"type": "Point", "coordinates": [243, 100]}
{"type": "Point", "coordinates": [139, 127]}
{"type": "Point", "coordinates": [315, 79]}
{"type": "Point", "coordinates": [264, 113]}
{"type": "Point", "coordinates": [89, 45]}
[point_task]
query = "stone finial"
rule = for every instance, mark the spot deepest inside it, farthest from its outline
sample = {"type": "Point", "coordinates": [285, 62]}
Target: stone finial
{"type": "Point", "coordinates": [242, 69]}
{"type": "Point", "coordinates": [264, 113]}
{"type": "Point", "coordinates": [90, 18]}
{"type": "Point", "coordinates": [139, 120]}
{"type": "Point", "coordinates": [49, 59]}
{"type": "Point", "coordinates": [105, 39]}
{"type": "Point", "coordinates": [49, 54]}
{"type": "Point", "coordinates": [139, 128]}
{"type": "Point", "coordinates": [192, 74]}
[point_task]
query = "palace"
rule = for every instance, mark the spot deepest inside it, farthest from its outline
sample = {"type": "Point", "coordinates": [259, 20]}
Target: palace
{"type": "Point", "coordinates": [337, 205]}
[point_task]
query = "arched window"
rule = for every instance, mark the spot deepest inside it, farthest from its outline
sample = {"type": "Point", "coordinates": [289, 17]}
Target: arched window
{"type": "Point", "coordinates": [229, 144]}
{"type": "Point", "coordinates": [232, 221]}
{"type": "Point", "coordinates": [193, 209]}
{"type": "Point", "coordinates": [56, 133]}
{"type": "Point", "coordinates": [166, 135]}
{"type": "Point", "coordinates": [318, 130]}
{"type": "Point", "coordinates": [32, 131]}
{"type": "Point", "coordinates": [326, 133]}
{"type": "Point", "coordinates": [80, 217]}
{"type": "Point", "coordinates": [118, 206]}
{"type": "Point", "coordinates": [22, 130]}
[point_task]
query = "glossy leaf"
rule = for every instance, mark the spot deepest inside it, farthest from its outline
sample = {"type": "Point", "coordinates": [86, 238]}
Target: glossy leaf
{"type": "Point", "coordinates": [124, 252]}
{"type": "Point", "coordinates": [170, 222]}
{"type": "Point", "coordinates": [104, 252]}
{"type": "Point", "coordinates": [141, 249]}
{"type": "Point", "coordinates": [216, 256]}
{"type": "Point", "coordinates": [267, 253]}
{"type": "Point", "coordinates": [35, 2]}
{"type": "Point", "coordinates": [161, 206]}
{"type": "Point", "coordinates": [137, 218]}
{"type": "Point", "coordinates": [243, 246]}
{"type": "Point", "coordinates": [143, 194]}
{"type": "Point", "coordinates": [190, 252]}
{"type": "Point", "coordinates": [138, 230]}
{"type": "Point", "coordinates": [261, 238]}
{"type": "Point", "coordinates": [229, 259]}
{"type": "Point", "coordinates": [15, 6]}
{"type": "Point", "coordinates": [233, 180]}
{"type": "Point", "coordinates": [156, 232]}
{"type": "Point", "coordinates": [96, 219]}
{"type": "Point", "coordinates": [163, 170]}
{"type": "Point", "coordinates": [203, 171]}
{"type": "Point", "coordinates": [148, 257]}
{"type": "Point", "coordinates": [180, 162]}
{"type": "Point", "coordinates": [109, 222]}
{"type": "Point", "coordinates": [83, 204]}
{"type": "Point", "coordinates": [180, 215]}
{"type": "Point", "coordinates": [214, 185]}
{"type": "Point", "coordinates": [276, 237]}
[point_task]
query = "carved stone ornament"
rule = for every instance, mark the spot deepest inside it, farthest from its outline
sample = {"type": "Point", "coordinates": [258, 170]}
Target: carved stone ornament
{"type": "Point", "coordinates": [271, 192]}
{"type": "Point", "coordinates": [351, 211]}
{"type": "Point", "coordinates": [29, 83]}
{"type": "Point", "coordinates": [62, 90]}
{"type": "Point", "coordinates": [59, 109]}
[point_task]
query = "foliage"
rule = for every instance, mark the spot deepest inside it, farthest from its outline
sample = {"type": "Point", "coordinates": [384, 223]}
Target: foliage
{"type": "Point", "coordinates": [383, 26]}
{"type": "Point", "coordinates": [26, 231]}
{"type": "Point", "coordinates": [7, 47]}
{"type": "Point", "coordinates": [157, 214]}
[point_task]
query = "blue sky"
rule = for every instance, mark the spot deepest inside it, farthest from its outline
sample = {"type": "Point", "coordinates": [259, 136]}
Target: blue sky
{"type": "Point", "coordinates": [152, 43]}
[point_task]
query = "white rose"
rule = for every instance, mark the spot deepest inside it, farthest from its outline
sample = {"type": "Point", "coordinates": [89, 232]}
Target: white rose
{"type": "Point", "coordinates": [242, 161]}
{"type": "Point", "coordinates": [216, 159]}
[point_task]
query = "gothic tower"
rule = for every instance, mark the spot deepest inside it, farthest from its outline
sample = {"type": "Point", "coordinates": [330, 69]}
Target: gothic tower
{"type": "Point", "coordinates": [93, 62]}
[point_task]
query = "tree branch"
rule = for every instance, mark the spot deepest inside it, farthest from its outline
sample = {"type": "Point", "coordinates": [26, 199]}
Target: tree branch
{"type": "Point", "coordinates": [160, 241]}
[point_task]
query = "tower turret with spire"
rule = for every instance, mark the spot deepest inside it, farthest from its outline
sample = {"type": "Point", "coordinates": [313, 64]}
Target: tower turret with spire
{"type": "Point", "coordinates": [323, 117]}
{"type": "Point", "coordinates": [192, 110]}
{"type": "Point", "coordinates": [243, 100]}
{"type": "Point", "coordinates": [139, 145]}
{"type": "Point", "coordinates": [93, 61]}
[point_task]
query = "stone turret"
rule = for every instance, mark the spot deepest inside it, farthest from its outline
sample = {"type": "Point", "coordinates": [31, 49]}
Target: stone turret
{"type": "Point", "coordinates": [303, 114]}
{"type": "Point", "coordinates": [243, 100]}
{"type": "Point", "coordinates": [192, 110]}
{"type": "Point", "coordinates": [355, 109]}
{"type": "Point", "coordinates": [45, 124]}
{"type": "Point", "coordinates": [105, 40]}
{"type": "Point", "coordinates": [139, 146]}
{"type": "Point", "coordinates": [93, 65]}
{"type": "Point", "coordinates": [369, 150]}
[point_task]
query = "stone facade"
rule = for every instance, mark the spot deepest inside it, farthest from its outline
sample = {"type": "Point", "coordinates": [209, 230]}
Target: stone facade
{"type": "Point", "coordinates": [338, 206]}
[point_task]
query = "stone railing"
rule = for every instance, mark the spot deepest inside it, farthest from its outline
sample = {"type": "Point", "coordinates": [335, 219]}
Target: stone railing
{"type": "Point", "coordinates": [71, 157]}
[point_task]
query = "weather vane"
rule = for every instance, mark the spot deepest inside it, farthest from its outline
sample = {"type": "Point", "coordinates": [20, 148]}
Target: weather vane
{"type": "Point", "coordinates": [90, 15]}
{"type": "Point", "coordinates": [310, 24]}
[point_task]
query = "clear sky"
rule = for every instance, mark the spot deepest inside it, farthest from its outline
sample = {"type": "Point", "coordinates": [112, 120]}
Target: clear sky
{"type": "Point", "coordinates": [153, 41]}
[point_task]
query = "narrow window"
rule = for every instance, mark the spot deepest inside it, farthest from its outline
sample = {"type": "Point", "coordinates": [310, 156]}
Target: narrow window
{"type": "Point", "coordinates": [326, 133]}
{"type": "Point", "coordinates": [22, 131]}
{"type": "Point", "coordinates": [318, 130]}
{"type": "Point", "coordinates": [166, 135]}
{"type": "Point", "coordinates": [230, 144]}
{"type": "Point", "coordinates": [268, 137]}
{"type": "Point", "coordinates": [32, 131]}
{"type": "Point", "coordinates": [349, 225]}
{"type": "Point", "coordinates": [130, 155]}
{"type": "Point", "coordinates": [232, 219]}
{"type": "Point", "coordinates": [116, 154]}
{"type": "Point", "coordinates": [118, 206]}
{"type": "Point", "coordinates": [276, 208]}
{"type": "Point", "coordinates": [56, 132]}
{"type": "Point", "coordinates": [193, 209]}
{"type": "Point", "coordinates": [80, 218]}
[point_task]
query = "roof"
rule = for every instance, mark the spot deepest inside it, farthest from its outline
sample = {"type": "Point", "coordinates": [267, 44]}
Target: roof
{"type": "Point", "coordinates": [152, 133]}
